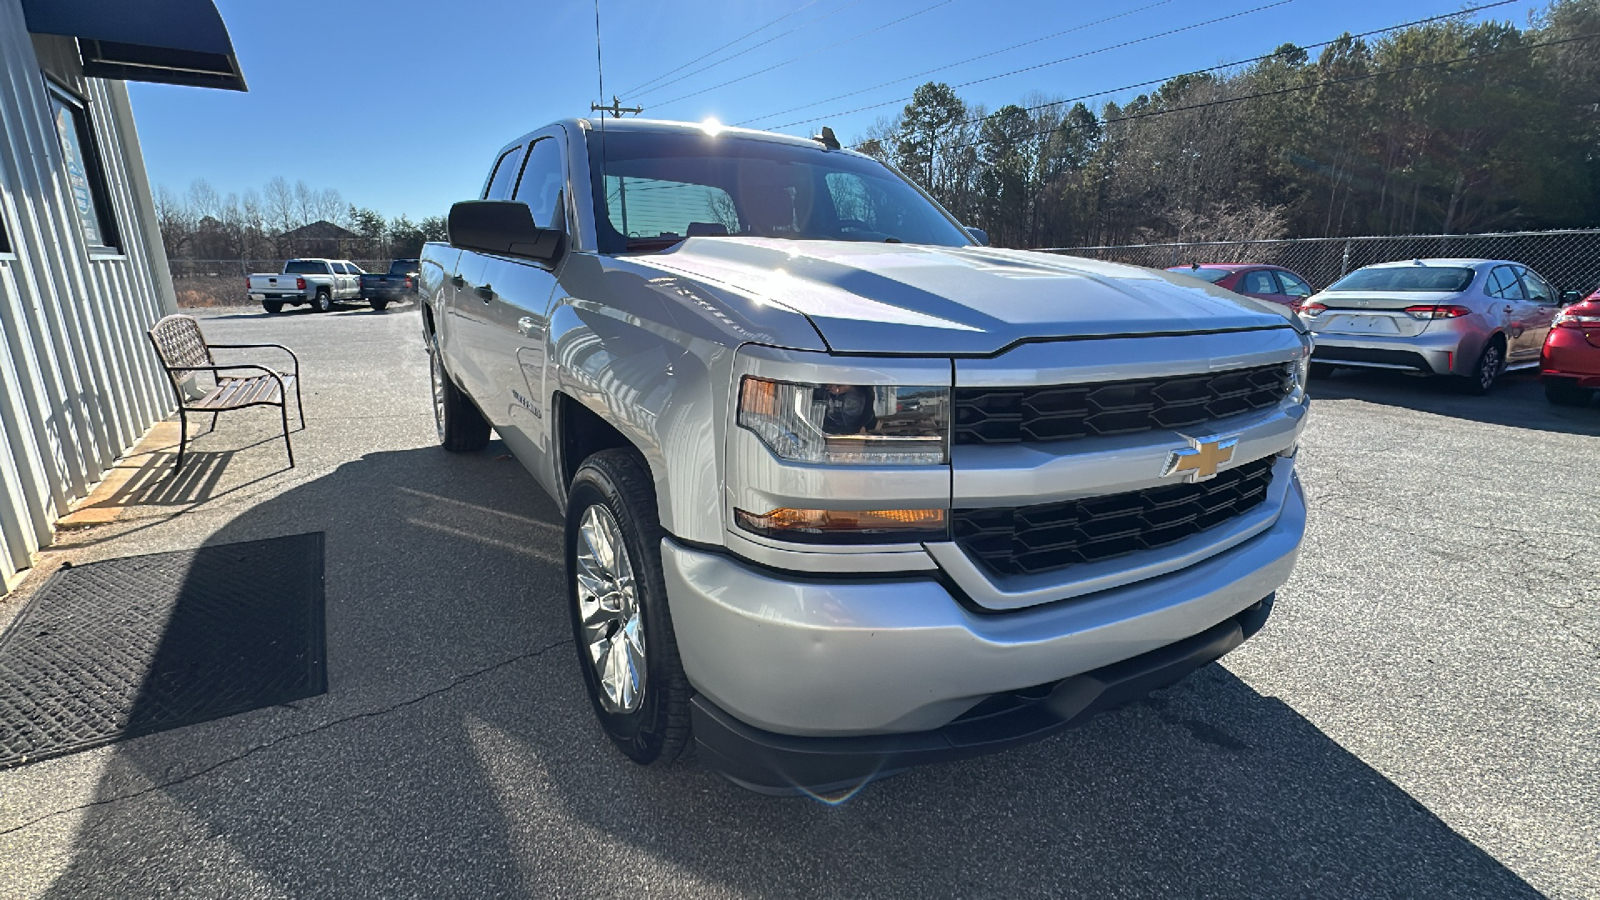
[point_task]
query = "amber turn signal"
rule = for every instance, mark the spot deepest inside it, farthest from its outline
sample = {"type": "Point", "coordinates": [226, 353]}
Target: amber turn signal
{"type": "Point", "coordinates": [834, 526]}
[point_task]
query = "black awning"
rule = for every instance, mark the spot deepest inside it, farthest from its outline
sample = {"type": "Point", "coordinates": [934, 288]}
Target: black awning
{"type": "Point", "coordinates": [167, 41]}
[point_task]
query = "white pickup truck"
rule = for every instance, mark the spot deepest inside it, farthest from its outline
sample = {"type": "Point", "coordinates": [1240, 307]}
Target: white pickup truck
{"type": "Point", "coordinates": [318, 282]}
{"type": "Point", "coordinates": [845, 490]}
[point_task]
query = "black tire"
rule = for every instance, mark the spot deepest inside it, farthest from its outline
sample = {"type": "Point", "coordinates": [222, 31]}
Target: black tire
{"type": "Point", "coordinates": [272, 306]}
{"type": "Point", "coordinates": [322, 302]}
{"type": "Point", "coordinates": [1486, 369]}
{"type": "Point", "coordinates": [1323, 370]}
{"type": "Point", "coordinates": [380, 305]}
{"type": "Point", "coordinates": [656, 730]}
{"type": "Point", "coordinates": [1567, 394]}
{"type": "Point", "coordinates": [461, 428]}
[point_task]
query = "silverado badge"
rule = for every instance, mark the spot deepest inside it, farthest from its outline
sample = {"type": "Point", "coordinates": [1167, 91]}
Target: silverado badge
{"type": "Point", "coordinates": [1201, 460]}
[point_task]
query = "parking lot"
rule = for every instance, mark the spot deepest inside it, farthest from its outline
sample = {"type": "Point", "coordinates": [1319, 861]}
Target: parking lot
{"type": "Point", "coordinates": [1418, 718]}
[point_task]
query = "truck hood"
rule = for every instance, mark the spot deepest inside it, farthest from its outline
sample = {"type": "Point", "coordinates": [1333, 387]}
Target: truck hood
{"type": "Point", "coordinates": [924, 300]}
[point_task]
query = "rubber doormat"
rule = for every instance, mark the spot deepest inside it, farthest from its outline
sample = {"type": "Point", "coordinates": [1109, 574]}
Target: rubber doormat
{"type": "Point", "coordinates": [124, 647]}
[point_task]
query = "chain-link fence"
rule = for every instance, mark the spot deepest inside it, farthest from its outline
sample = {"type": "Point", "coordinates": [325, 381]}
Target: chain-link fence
{"type": "Point", "coordinates": [220, 282]}
{"type": "Point", "coordinates": [1570, 259]}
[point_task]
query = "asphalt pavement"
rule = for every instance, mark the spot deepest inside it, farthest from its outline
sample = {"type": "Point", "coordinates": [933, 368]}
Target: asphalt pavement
{"type": "Point", "coordinates": [1418, 718]}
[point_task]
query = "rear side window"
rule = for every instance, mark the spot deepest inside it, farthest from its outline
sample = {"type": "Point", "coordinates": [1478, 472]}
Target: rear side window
{"type": "Point", "coordinates": [505, 175]}
{"type": "Point", "coordinates": [1259, 282]}
{"type": "Point", "coordinates": [543, 181]}
{"type": "Point", "coordinates": [1447, 279]}
{"type": "Point", "coordinates": [1503, 283]}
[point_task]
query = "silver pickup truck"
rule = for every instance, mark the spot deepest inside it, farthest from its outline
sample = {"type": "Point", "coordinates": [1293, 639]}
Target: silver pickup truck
{"type": "Point", "coordinates": [845, 490]}
{"type": "Point", "coordinates": [318, 282]}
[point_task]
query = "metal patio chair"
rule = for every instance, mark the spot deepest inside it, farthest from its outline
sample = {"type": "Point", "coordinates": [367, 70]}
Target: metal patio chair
{"type": "Point", "coordinates": [183, 351]}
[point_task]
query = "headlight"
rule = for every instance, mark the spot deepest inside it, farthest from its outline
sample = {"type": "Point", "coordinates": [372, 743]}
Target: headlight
{"type": "Point", "coordinates": [1298, 374]}
{"type": "Point", "coordinates": [848, 424]}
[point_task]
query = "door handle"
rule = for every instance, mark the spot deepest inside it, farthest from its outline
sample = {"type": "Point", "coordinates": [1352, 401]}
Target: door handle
{"type": "Point", "coordinates": [525, 325]}
{"type": "Point", "coordinates": [458, 281]}
{"type": "Point", "coordinates": [486, 292]}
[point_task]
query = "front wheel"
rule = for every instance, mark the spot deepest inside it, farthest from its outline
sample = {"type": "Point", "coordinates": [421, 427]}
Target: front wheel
{"type": "Point", "coordinates": [1567, 394]}
{"type": "Point", "coordinates": [618, 603]}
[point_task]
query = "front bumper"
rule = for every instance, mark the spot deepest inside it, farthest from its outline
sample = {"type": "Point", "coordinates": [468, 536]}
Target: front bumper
{"type": "Point", "coordinates": [835, 657]}
{"type": "Point", "coordinates": [1437, 351]}
{"type": "Point", "coordinates": [786, 765]}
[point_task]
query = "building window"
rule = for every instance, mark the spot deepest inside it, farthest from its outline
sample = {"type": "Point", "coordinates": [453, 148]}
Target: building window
{"type": "Point", "coordinates": [86, 181]}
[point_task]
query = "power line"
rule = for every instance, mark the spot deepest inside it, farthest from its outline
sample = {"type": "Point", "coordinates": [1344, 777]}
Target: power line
{"type": "Point", "coordinates": [1348, 79]}
{"type": "Point", "coordinates": [764, 70]}
{"type": "Point", "coordinates": [954, 64]}
{"type": "Point", "coordinates": [1240, 62]}
{"type": "Point", "coordinates": [736, 40]}
{"type": "Point", "coordinates": [726, 59]}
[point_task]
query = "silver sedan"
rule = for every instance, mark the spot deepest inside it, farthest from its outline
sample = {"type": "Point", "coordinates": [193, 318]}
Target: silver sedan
{"type": "Point", "coordinates": [1472, 318]}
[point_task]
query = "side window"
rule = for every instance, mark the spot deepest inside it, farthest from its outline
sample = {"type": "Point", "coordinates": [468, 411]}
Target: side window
{"type": "Point", "coordinates": [5, 236]}
{"type": "Point", "coordinates": [85, 179]}
{"type": "Point", "coordinates": [1503, 284]}
{"type": "Point", "coordinates": [340, 269]}
{"type": "Point", "coordinates": [1258, 282]}
{"type": "Point", "coordinates": [543, 181]}
{"type": "Point", "coordinates": [1539, 290]}
{"type": "Point", "coordinates": [1293, 286]}
{"type": "Point", "coordinates": [505, 175]}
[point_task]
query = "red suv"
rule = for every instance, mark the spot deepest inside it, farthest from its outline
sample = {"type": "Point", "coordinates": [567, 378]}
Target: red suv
{"type": "Point", "coordinates": [1274, 283]}
{"type": "Point", "coordinates": [1569, 365]}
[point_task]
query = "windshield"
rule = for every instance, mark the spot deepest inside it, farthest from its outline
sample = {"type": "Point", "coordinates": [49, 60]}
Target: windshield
{"type": "Point", "coordinates": [305, 267]}
{"type": "Point", "coordinates": [655, 189]}
{"type": "Point", "coordinates": [1211, 275]}
{"type": "Point", "coordinates": [1405, 278]}
{"type": "Point", "coordinates": [403, 267]}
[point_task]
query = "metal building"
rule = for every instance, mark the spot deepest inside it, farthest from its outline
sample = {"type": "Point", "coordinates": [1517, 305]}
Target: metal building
{"type": "Point", "coordinates": [82, 270]}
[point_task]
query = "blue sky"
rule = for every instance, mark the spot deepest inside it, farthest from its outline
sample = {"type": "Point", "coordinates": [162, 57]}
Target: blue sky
{"type": "Point", "coordinates": [400, 105]}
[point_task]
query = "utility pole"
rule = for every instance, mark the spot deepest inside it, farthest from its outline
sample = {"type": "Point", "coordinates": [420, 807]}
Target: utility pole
{"type": "Point", "coordinates": [616, 108]}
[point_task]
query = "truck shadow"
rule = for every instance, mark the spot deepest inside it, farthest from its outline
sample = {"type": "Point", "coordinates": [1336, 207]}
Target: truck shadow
{"type": "Point", "coordinates": [455, 755]}
{"type": "Point", "coordinates": [1517, 401]}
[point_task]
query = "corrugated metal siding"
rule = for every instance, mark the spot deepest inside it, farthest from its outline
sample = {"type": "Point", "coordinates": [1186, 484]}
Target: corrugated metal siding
{"type": "Point", "coordinates": [78, 384]}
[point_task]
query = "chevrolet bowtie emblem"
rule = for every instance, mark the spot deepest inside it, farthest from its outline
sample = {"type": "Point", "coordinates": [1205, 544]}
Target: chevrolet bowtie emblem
{"type": "Point", "coordinates": [1201, 460]}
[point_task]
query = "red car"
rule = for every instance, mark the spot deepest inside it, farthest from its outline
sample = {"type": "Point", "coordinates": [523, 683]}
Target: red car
{"type": "Point", "coordinates": [1274, 283]}
{"type": "Point", "coordinates": [1569, 365]}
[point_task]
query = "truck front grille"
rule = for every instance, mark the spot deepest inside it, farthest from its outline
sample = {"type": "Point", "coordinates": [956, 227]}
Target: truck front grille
{"type": "Point", "coordinates": [1008, 415]}
{"type": "Point", "coordinates": [1024, 540]}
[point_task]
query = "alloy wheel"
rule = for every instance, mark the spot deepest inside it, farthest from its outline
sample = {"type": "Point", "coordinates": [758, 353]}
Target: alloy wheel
{"type": "Point", "coordinates": [1489, 366]}
{"type": "Point", "coordinates": [608, 604]}
{"type": "Point", "coordinates": [436, 375]}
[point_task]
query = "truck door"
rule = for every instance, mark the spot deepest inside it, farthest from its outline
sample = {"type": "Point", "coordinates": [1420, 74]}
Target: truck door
{"type": "Point", "coordinates": [473, 356]}
{"type": "Point", "coordinates": [517, 314]}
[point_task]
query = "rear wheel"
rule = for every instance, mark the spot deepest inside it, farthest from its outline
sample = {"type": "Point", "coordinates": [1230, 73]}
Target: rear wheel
{"type": "Point", "coordinates": [618, 603]}
{"type": "Point", "coordinates": [322, 302]}
{"type": "Point", "coordinates": [272, 306]}
{"type": "Point", "coordinates": [461, 428]}
{"type": "Point", "coordinates": [1567, 394]}
{"type": "Point", "coordinates": [380, 305]}
{"type": "Point", "coordinates": [1487, 369]}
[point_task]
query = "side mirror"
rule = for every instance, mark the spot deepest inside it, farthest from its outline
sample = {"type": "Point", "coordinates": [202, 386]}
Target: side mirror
{"type": "Point", "coordinates": [503, 227]}
{"type": "Point", "coordinates": [1570, 297]}
{"type": "Point", "coordinates": [979, 235]}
